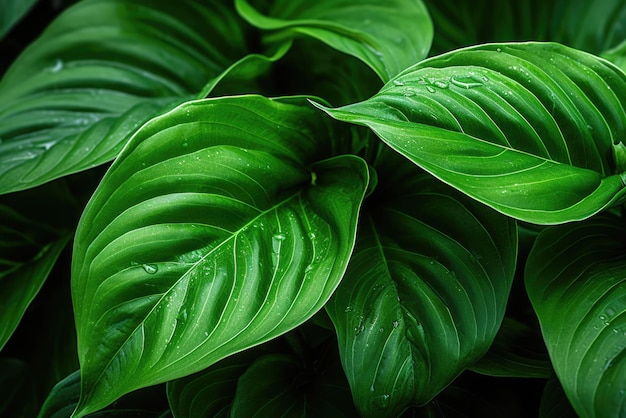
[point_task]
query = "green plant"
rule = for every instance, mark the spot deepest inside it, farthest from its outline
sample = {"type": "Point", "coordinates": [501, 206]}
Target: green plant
{"type": "Point", "coordinates": [329, 208]}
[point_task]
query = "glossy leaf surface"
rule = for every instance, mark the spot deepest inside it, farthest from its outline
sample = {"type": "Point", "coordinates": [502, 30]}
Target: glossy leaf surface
{"type": "Point", "coordinates": [527, 129]}
{"type": "Point", "coordinates": [576, 281]}
{"type": "Point", "coordinates": [212, 232]}
{"type": "Point", "coordinates": [423, 296]}
{"type": "Point", "coordinates": [387, 35]}
{"type": "Point", "coordinates": [99, 71]}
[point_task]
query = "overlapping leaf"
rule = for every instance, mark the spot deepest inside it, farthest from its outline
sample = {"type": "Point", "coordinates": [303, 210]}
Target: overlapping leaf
{"type": "Point", "coordinates": [387, 35]}
{"type": "Point", "coordinates": [99, 71]}
{"type": "Point", "coordinates": [140, 404]}
{"type": "Point", "coordinates": [554, 403]}
{"type": "Point", "coordinates": [515, 353]}
{"type": "Point", "coordinates": [210, 234]}
{"type": "Point", "coordinates": [575, 276]}
{"type": "Point", "coordinates": [591, 26]}
{"type": "Point", "coordinates": [423, 296]}
{"type": "Point", "coordinates": [527, 129]}
{"type": "Point", "coordinates": [29, 251]}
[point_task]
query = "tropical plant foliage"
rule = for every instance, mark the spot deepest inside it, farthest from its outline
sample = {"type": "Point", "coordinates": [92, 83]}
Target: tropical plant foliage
{"type": "Point", "coordinates": [338, 208]}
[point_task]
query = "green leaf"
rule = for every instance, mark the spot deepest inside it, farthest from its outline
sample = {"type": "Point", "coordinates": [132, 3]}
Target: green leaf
{"type": "Point", "coordinates": [575, 277]}
{"type": "Point", "coordinates": [592, 26]}
{"type": "Point", "coordinates": [527, 129]}
{"type": "Point", "coordinates": [330, 74]}
{"type": "Point", "coordinates": [387, 35]}
{"type": "Point", "coordinates": [209, 235]}
{"type": "Point", "coordinates": [210, 392]}
{"type": "Point", "coordinates": [98, 72]}
{"type": "Point", "coordinates": [29, 251]}
{"type": "Point", "coordinates": [278, 385]}
{"type": "Point", "coordinates": [423, 296]}
{"type": "Point", "coordinates": [11, 12]}
{"type": "Point", "coordinates": [242, 76]}
{"type": "Point", "coordinates": [515, 353]}
{"type": "Point", "coordinates": [306, 373]}
{"type": "Point", "coordinates": [146, 403]}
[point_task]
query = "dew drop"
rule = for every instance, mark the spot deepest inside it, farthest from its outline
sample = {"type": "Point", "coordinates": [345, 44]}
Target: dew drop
{"type": "Point", "coordinates": [348, 309]}
{"type": "Point", "coordinates": [398, 83]}
{"type": "Point", "coordinates": [440, 84]}
{"type": "Point", "coordinates": [498, 49]}
{"type": "Point", "coordinates": [467, 82]}
{"type": "Point", "coordinates": [396, 324]}
{"type": "Point", "coordinates": [430, 89]}
{"type": "Point", "coordinates": [58, 66]}
{"type": "Point", "coordinates": [381, 330]}
{"type": "Point", "coordinates": [150, 268]}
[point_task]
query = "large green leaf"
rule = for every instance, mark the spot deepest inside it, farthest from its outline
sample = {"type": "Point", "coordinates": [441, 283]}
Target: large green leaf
{"type": "Point", "coordinates": [11, 11]}
{"type": "Point", "coordinates": [527, 129]}
{"type": "Point", "coordinates": [575, 276]}
{"type": "Point", "coordinates": [424, 293]}
{"type": "Point", "coordinates": [388, 35]}
{"type": "Point", "coordinates": [592, 26]}
{"type": "Point", "coordinates": [98, 72]}
{"type": "Point", "coordinates": [211, 233]}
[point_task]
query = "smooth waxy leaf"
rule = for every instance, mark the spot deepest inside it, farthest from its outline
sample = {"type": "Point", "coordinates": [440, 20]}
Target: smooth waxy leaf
{"type": "Point", "coordinates": [101, 70]}
{"type": "Point", "coordinates": [387, 35]}
{"type": "Point", "coordinates": [423, 296]}
{"type": "Point", "coordinates": [210, 234]}
{"type": "Point", "coordinates": [575, 277]}
{"type": "Point", "coordinates": [11, 11]}
{"type": "Point", "coordinates": [527, 129]}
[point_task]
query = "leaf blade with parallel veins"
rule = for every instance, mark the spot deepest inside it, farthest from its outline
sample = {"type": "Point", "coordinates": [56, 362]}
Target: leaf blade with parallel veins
{"type": "Point", "coordinates": [209, 235]}
{"type": "Point", "coordinates": [527, 129]}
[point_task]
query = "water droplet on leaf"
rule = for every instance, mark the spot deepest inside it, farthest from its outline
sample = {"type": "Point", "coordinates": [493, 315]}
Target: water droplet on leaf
{"type": "Point", "coordinates": [150, 268]}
